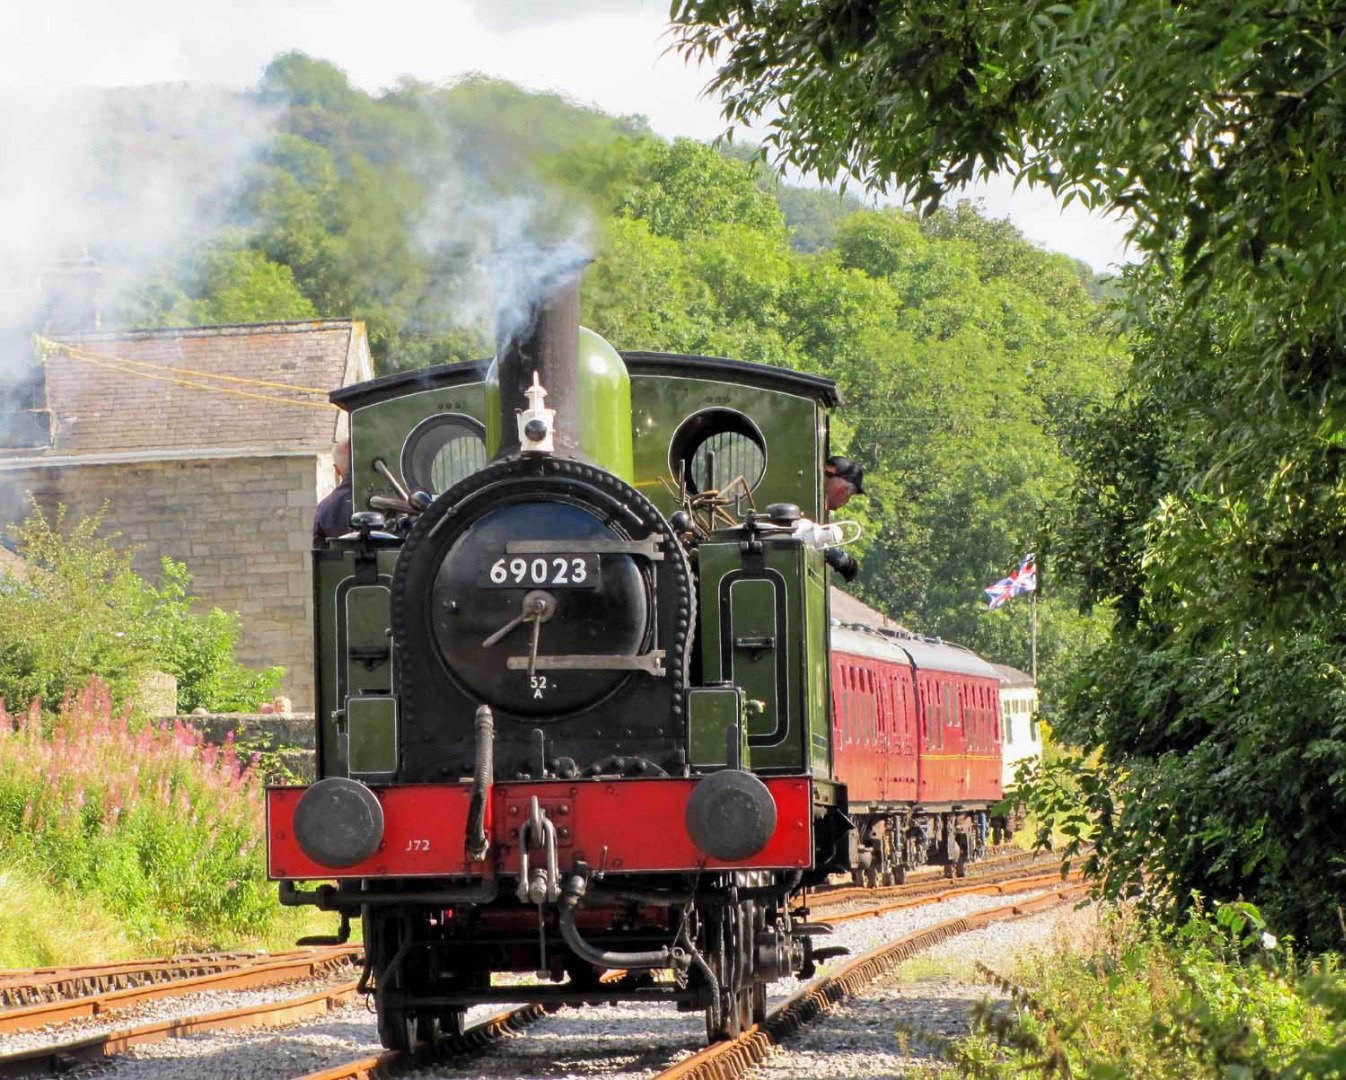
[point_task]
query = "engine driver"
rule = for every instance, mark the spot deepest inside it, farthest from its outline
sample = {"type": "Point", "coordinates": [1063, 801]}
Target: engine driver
{"type": "Point", "coordinates": [842, 480]}
{"type": "Point", "coordinates": [333, 516]}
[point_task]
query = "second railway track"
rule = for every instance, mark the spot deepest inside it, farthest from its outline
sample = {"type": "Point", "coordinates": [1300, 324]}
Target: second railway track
{"type": "Point", "coordinates": [584, 1048]}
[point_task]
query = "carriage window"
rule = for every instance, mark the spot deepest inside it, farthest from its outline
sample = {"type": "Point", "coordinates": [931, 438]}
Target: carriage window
{"type": "Point", "coordinates": [873, 693]}
{"type": "Point", "coordinates": [849, 703]}
{"type": "Point", "coordinates": [442, 450]}
{"type": "Point", "coordinates": [714, 448]}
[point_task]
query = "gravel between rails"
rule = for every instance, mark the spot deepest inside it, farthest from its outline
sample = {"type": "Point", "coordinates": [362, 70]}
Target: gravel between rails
{"type": "Point", "coordinates": [875, 1036]}
{"type": "Point", "coordinates": [620, 1042]}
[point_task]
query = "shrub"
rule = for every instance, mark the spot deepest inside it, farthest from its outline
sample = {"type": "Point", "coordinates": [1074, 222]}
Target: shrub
{"type": "Point", "coordinates": [82, 611]}
{"type": "Point", "coordinates": [1219, 998]}
{"type": "Point", "coordinates": [165, 830]}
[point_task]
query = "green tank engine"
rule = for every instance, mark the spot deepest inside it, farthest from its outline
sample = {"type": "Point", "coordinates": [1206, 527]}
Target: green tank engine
{"type": "Point", "coordinates": [572, 681]}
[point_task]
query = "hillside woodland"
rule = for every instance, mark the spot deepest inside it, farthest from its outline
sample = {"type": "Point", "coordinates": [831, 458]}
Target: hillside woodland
{"type": "Point", "coordinates": [963, 350]}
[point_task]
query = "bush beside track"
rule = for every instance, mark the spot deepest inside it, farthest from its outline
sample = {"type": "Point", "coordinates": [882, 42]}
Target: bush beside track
{"type": "Point", "coordinates": [149, 824]}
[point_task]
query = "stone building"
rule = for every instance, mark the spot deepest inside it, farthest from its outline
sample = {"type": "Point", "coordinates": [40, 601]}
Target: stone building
{"type": "Point", "coordinates": [210, 445]}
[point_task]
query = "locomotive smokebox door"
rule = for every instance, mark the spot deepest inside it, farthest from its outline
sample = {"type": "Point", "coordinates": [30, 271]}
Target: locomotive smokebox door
{"type": "Point", "coordinates": [491, 606]}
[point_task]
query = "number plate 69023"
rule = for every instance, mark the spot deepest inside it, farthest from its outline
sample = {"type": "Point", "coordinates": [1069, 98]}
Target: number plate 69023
{"type": "Point", "coordinates": [543, 572]}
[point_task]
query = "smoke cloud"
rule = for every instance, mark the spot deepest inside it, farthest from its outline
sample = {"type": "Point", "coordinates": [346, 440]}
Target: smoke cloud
{"type": "Point", "coordinates": [99, 192]}
{"type": "Point", "coordinates": [500, 235]}
{"type": "Point", "coordinates": [128, 180]}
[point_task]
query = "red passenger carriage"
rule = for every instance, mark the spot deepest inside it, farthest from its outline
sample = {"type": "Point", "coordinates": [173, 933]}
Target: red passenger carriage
{"type": "Point", "coordinates": [916, 734]}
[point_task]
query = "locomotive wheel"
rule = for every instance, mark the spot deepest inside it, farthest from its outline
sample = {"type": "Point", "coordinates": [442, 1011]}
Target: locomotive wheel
{"type": "Point", "coordinates": [759, 1001]}
{"type": "Point", "coordinates": [397, 1029]}
{"type": "Point", "coordinates": [743, 969]}
{"type": "Point", "coordinates": [724, 1019]}
{"type": "Point", "coordinates": [403, 1027]}
{"type": "Point", "coordinates": [757, 995]}
{"type": "Point", "coordinates": [711, 949]}
{"type": "Point", "coordinates": [382, 935]}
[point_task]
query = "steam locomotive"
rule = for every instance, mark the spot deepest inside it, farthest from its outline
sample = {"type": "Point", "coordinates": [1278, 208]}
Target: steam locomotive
{"type": "Point", "coordinates": [577, 708]}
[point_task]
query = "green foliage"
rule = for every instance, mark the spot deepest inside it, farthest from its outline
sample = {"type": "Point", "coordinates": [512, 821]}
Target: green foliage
{"type": "Point", "coordinates": [689, 187]}
{"type": "Point", "coordinates": [80, 610]}
{"type": "Point", "coordinates": [812, 216]}
{"type": "Point", "coordinates": [1208, 514]}
{"type": "Point", "coordinates": [1211, 505]}
{"type": "Point", "coordinates": [1217, 128]}
{"type": "Point", "coordinates": [228, 284]}
{"type": "Point", "coordinates": [163, 830]}
{"type": "Point", "coordinates": [30, 937]}
{"type": "Point", "coordinates": [1220, 998]}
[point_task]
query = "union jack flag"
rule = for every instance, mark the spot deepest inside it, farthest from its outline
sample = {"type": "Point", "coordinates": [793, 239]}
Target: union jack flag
{"type": "Point", "coordinates": [1022, 580]}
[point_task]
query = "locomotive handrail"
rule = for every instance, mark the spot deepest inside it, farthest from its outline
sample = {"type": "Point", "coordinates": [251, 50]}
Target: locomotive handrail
{"type": "Point", "coordinates": [652, 663]}
{"type": "Point", "coordinates": [650, 548]}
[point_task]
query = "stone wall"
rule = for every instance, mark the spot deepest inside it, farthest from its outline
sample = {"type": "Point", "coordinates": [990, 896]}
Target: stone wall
{"type": "Point", "coordinates": [243, 526]}
{"type": "Point", "coordinates": [285, 745]}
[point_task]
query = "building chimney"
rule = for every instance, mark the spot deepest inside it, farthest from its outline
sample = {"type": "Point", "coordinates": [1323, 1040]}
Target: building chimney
{"type": "Point", "coordinates": [70, 301]}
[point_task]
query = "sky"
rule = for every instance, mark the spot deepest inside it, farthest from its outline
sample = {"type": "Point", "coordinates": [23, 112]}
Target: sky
{"type": "Point", "coordinates": [613, 54]}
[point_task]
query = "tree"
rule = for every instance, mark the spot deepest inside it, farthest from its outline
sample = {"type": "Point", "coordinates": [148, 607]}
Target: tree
{"type": "Point", "coordinates": [690, 187]}
{"type": "Point", "coordinates": [80, 611]}
{"type": "Point", "coordinates": [1218, 129]}
{"type": "Point", "coordinates": [1210, 500]}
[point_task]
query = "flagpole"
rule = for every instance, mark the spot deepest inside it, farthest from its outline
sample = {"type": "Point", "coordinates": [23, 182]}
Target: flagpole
{"type": "Point", "coordinates": [1034, 606]}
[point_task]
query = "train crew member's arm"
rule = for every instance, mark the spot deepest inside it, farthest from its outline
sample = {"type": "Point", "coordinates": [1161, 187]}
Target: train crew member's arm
{"type": "Point", "coordinates": [333, 516]}
{"type": "Point", "coordinates": [842, 479]}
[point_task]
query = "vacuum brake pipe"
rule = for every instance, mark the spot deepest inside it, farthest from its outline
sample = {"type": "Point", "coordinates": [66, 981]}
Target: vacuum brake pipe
{"type": "Point", "coordinates": [571, 893]}
{"type": "Point", "coordinates": [478, 843]}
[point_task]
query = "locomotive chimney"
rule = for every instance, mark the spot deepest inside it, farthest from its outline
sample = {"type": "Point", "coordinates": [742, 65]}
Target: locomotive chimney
{"type": "Point", "coordinates": [547, 343]}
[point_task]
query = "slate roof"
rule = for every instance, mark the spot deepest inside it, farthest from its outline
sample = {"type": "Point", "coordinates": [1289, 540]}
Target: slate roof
{"type": "Point", "coordinates": [847, 609]}
{"type": "Point", "coordinates": [1012, 676]}
{"type": "Point", "coordinates": [98, 408]}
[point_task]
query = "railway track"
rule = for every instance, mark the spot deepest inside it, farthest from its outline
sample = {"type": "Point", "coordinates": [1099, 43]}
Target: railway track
{"type": "Point", "coordinates": [732, 1060]}
{"type": "Point", "coordinates": [47, 1060]}
{"type": "Point", "coordinates": [930, 880]}
{"type": "Point", "coordinates": [20, 988]}
{"type": "Point", "coordinates": [477, 1038]}
{"type": "Point", "coordinates": [727, 1061]}
{"type": "Point", "coordinates": [244, 971]}
{"type": "Point", "coordinates": [63, 994]}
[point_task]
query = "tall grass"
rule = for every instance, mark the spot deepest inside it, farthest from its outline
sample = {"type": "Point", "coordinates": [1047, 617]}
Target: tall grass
{"type": "Point", "coordinates": [43, 926]}
{"type": "Point", "coordinates": [1218, 999]}
{"type": "Point", "coordinates": [160, 828]}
